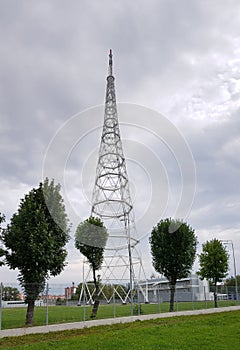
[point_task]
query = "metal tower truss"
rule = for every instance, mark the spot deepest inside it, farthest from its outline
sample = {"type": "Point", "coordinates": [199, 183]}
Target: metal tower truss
{"type": "Point", "coordinates": [111, 202]}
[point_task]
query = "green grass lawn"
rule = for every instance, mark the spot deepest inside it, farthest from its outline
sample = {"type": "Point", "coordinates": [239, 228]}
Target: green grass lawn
{"type": "Point", "coordinates": [15, 317]}
{"type": "Point", "coordinates": [201, 332]}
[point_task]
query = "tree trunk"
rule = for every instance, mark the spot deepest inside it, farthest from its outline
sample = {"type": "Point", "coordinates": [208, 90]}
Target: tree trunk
{"type": "Point", "coordinates": [30, 313]}
{"type": "Point", "coordinates": [215, 295]}
{"type": "Point", "coordinates": [95, 308]}
{"type": "Point", "coordinates": [96, 301]}
{"type": "Point", "coordinates": [172, 293]}
{"type": "Point", "coordinates": [95, 282]}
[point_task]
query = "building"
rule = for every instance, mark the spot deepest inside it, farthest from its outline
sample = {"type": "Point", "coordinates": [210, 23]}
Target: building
{"type": "Point", "coordinates": [187, 289]}
{"type": "Point", "coordinates": [70, 291]}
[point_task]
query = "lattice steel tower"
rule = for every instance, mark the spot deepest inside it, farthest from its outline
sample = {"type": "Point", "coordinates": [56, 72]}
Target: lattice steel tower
{"type": "Point", "coordinates": [111, 201]}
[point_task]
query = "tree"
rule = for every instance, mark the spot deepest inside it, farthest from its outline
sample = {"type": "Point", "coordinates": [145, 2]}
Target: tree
{"type": "Point", "coordinates": [213, 263]}
{"type": "Point", "coordinates": [10, 293]}
{"type": "Point", "coordinates": [35, 240]}
{"type": "Point", "coordinates": [173, 247]}
{"type": "Point", "coordinates": [2, 252]}
{"type": "Point", "coordinates": [90, 238]}
{"type": "Point", "coordinates": [231, 282]}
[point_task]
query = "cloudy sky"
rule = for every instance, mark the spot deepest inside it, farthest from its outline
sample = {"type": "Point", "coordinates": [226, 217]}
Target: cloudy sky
{"type": "Point", "coordinates": [180, 59]}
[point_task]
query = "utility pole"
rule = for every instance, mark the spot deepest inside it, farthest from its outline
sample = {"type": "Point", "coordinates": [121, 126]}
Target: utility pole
{"type": "Point", "coordinates": [234, 265]}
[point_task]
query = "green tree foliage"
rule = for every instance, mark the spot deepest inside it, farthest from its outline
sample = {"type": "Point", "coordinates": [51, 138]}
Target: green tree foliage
{"type": "Point", "coordinates": [230, 285]}
{"type": "Point", "coordinates": [230, 282]}
{"type": "Point", "coordinates": [10, 293]}
{"type": "Point", "coordinates": [35, 240]}
{"type": "Point", "coordinates": [213, 263]}
{"type": "Point", "coordinates": [173, 247]}
{"type": "Point", "coordinates": [90, 238]}
{"type": "Point", "coordinates": [2, 252]}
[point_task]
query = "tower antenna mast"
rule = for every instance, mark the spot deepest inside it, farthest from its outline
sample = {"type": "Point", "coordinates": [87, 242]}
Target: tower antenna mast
{"type": "Point", "coordinates": [111, 202]}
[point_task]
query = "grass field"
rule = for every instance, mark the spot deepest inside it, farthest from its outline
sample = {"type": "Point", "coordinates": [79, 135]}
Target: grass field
{"type": "Point", "coordinates": [201, 332]}
{"type": "Point", "coordinates": [15, 318]}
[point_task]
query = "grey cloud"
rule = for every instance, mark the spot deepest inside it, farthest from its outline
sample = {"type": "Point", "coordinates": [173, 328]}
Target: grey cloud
{"type": "Point", "coordinates": [176, 56]}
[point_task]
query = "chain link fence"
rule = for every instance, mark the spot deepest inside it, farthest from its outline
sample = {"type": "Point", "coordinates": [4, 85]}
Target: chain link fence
{"type": "Point", "coordinates": [61, 303]}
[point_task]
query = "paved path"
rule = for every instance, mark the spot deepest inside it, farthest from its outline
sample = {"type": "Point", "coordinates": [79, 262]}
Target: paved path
{"type": "Point", "coordinates": [108, 321]}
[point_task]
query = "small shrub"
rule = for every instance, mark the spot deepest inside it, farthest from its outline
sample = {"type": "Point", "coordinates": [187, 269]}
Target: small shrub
{"type": "Point", "coordinates": [137, 309]}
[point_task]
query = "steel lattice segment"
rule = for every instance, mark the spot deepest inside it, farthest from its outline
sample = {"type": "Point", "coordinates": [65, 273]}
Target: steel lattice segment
{"type": "Point", "coordinates": [111, 201]}
{"type": "Point", "coordinates": [111, 196]}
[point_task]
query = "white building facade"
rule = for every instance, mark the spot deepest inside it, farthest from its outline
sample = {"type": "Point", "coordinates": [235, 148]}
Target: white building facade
{"type": "Point", "coordinates": [187, 289]}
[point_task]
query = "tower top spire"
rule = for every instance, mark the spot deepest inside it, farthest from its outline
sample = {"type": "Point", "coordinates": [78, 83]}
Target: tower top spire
{"type": "Point", "coordinates": [110, 63]}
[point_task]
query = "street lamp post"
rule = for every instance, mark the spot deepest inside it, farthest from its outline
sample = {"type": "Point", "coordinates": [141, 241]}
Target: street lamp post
{"type": "Point", "coordinates": [234, 265]}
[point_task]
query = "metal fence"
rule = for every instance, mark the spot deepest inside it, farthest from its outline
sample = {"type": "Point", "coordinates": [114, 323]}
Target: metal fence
{"type": "Point", "coordinates": [61, 303]}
